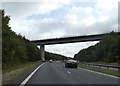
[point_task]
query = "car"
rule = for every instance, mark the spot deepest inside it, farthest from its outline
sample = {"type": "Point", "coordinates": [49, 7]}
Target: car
{"type": "Point", "coordinates": [71, 63]}
{"type": "Point", "coordinates": [50, 60]}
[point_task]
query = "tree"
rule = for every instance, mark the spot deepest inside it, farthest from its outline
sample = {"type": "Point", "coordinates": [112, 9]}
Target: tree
{"type": "Point", "coordinates": [106, 50]}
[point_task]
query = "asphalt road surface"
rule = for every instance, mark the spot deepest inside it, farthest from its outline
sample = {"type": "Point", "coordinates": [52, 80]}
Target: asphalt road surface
{"type": "Point", "coordinates": [56, 73]}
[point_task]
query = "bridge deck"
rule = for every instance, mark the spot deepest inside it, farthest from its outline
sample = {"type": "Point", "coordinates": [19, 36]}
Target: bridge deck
{"type": "Point", "coordinates": [84, 38]}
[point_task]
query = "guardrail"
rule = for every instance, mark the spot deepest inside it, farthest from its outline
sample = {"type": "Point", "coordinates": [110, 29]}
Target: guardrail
{"type": "Point", "coordinates": [101, 66]}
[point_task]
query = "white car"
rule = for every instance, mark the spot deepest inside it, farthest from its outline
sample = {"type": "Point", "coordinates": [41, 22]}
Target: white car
{"type": "Point", "coordinates": [50, 61]}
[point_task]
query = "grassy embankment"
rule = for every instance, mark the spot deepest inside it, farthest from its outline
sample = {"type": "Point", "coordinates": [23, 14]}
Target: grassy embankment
{"type": "Point", "coordinates": [104, 63]}
{"type": "Point", "coordinates": [106, 71]}
{"type": "Point", "coordinates": [12, 73]}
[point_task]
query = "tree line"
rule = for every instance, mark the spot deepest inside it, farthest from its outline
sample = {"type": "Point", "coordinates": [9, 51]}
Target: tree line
{"type": "Point", "coordinates": [16, 49]}
{"type": "Point", "coordinates": [107, 50]}
{"type": "Point", "coordinates": [54, 56]}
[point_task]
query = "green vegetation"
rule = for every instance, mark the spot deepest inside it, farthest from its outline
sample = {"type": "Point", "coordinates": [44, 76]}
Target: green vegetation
{"type": "Point", "coordinates": [17, 50]}
{"type": "Point", "coordinates": [105, 63]}
{"type": "Point", "coordinates": [19, 55]}
{"type": "Point", "coordinates": [53, 56]}
{"type": "Point", "coordinates": [20, 70]}
{"type": "Point", "coordinates": [107, 50]}
{"type": "Point", "coordinates": [111, 72]}
{"type": "Point", "coordinates": [21, 65]}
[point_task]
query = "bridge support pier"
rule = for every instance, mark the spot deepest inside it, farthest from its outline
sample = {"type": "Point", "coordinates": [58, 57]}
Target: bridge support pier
{"type": "Point", "coordinates": [42, 49]}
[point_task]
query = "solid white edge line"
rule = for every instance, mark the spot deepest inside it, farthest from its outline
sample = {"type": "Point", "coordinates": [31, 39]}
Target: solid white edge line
{"type": "Point", "coordinates": [25, 81]}
{"type": "Point", "coordinates": [100, 73]}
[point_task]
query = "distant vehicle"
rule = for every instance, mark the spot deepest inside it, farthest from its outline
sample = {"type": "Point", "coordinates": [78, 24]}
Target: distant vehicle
{"type": "Point", "coordinates": [50, 61]}
{"type": "Point", "coordinates": [71, 63]}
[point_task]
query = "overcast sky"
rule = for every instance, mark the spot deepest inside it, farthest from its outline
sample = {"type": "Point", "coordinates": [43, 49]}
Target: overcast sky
{"type": "Point", "coordinates": [41, 19]}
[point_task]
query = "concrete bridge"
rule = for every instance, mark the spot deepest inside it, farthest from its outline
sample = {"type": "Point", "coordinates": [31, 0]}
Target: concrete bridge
{"type": "Point", "coordinates": [84, 38]}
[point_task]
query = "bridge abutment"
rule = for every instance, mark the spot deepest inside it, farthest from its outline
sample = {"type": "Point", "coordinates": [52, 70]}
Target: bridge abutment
{"type": "Point", "coordinates": [42, 49]}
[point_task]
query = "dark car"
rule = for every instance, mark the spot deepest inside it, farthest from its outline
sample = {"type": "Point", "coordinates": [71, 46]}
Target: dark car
{"type": "Point", "coordinates": [71, 63]}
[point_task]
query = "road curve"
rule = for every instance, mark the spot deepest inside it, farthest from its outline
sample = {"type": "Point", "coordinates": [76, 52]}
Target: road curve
{"type": "Point", "coordinates": [56, 73]}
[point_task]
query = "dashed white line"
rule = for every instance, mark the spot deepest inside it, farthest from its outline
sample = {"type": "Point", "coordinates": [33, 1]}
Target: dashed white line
{"type": "Point", "coordinates": [69, 72]}
{"type": "Point", "coordinates": [25, 81]}
{"type": "Point", "coordinates": [100, 73]}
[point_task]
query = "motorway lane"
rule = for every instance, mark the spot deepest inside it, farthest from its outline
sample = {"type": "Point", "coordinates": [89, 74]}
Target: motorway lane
{"type": "Point", "coordinates": [56, 73]}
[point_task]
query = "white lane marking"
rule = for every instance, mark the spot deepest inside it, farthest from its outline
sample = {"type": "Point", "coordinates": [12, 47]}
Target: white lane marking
{"type": "Point", "coordinates": [69, 72]}
{"type": "Point", "coordinates": [25, 81]}
{"type": "Point", "coordinates": [100, 73]}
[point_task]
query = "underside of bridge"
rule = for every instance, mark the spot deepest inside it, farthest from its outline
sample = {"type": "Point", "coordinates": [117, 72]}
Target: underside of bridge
{"type": "Point", "coordinates": [85, 38]}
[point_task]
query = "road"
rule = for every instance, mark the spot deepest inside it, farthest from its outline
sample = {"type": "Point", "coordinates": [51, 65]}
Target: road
{"type": "Point", "coordinates": [56, 73]}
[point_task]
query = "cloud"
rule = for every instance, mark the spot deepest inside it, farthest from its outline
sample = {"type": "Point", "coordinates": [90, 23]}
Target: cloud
{"type": "Point", "coordinates": [47, 7]}
{"type": "Point", "coordinates": [70, 49]}
{"type": "Point", "coordinates": [57, 18]}
{"type": "Point", "coordinates": [33, 7]}
{"type": "Point", "coordinates": [107, 5]}
{"type": "Point", "coordinates": [52, 34]}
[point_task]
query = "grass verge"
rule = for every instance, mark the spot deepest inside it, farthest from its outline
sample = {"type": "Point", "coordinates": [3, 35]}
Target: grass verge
{"type": "Point", "coordinates": [106, 71]}
{"type": "Point", "coordinates": [13, 73]}
{"type": "Point", "coordinates": [104, 63]}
